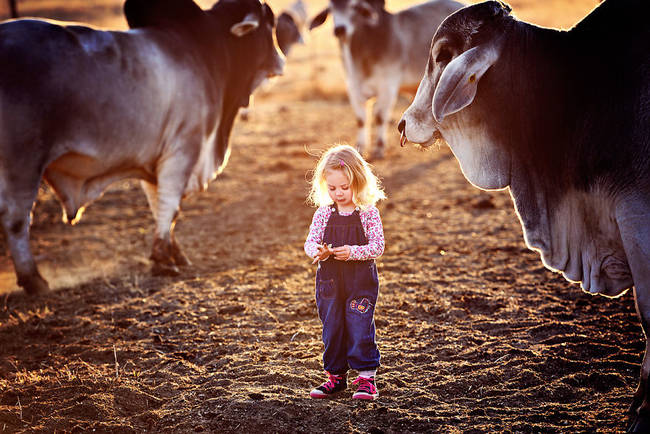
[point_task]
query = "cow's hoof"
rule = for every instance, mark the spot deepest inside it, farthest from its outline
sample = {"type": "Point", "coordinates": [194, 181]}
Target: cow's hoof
{"type": "Point", "coordinates": [34, 284]}
{"type": "Point", "coordinates": [158, 269]}
{"type": "Point", "coordinates": [182, 260]}
{"type": "Point", "coordinates": [639, 423]}
{"type": "Point", "coordinates": [378, 154]}
{"type": "Point", "coordinates": [179, 257]}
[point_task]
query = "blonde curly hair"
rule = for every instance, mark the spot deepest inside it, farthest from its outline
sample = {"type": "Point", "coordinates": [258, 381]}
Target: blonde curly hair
{"type": "Point", "coordinates": [366, 188]}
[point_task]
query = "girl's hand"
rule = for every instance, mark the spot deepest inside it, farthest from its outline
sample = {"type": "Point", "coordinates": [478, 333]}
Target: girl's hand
{"type": "Point", "coordinates": [342, 253]}
{"type": "Point", "coordinates": [324, 251]}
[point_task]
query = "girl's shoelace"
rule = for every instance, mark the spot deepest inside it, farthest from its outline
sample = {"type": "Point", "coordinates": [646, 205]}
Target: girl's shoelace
{"type": "Point", "coordinates": [365, 385]}
{"type": "Point", "coordinates": [332, 382]}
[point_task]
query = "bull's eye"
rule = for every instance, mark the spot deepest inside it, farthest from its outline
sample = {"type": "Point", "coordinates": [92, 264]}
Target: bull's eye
{"type": "Point", "coordinates": [472, 78]}
{"type": "Point", "coordinates": [443, 56]}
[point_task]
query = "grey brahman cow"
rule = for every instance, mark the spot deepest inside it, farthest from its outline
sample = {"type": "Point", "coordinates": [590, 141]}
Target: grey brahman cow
{"type": "Point", "coordinates": [561, 119]}
{"type": "Point", "coordinates": [82, 108]}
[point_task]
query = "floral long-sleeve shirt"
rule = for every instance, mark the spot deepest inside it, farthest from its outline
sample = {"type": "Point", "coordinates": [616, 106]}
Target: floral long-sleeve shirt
{"type": "Point", "coordinates": [372, 227]}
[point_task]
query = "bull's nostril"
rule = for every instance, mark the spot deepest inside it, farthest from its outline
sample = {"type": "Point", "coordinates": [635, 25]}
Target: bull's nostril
{"type": "Point", "coordinates": [401, 126]}
{"type": "Point", "coordinates": [339, 31]}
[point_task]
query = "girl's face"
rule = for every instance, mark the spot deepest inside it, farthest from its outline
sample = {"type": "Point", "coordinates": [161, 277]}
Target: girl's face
{"type": "Point", "coordinates": [339, 189]}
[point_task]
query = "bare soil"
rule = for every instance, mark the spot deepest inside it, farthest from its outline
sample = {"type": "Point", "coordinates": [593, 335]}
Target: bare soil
{"type": "Point", "coordinates": [475, 335]}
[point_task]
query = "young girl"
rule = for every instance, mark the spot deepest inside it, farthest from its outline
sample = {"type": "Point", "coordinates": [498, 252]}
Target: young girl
{"type": "Point", "coordinates": [345, 237]}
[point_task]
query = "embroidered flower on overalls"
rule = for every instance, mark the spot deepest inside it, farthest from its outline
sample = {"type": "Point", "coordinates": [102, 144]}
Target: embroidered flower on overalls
{"type": "Point", "coordinates": [361, 306]}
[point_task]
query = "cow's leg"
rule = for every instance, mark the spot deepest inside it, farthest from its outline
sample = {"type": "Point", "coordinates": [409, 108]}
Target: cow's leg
{"type": "Point", "coordinates": [632, 218]}
{"type": "Point", "coordinates": [381, 113]}
{"type": "Point", "coordinates": [639, 412]}
{"type": "Point", "coordinates": [358, 103]}
{"type": "Point", "coordinates": [15, 213]}
{"type": "Point", "coordinates": [151, 192]}
{"type": "Point", "coordinates": [164, 200]}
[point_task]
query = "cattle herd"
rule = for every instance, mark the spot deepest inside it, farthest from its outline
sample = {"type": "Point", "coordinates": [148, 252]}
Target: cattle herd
{"type": "Point", "coordinates": [560, 118]}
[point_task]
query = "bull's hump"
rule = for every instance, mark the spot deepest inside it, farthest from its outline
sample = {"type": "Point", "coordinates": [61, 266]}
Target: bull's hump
{"type": "Point", "coordinates": [93, 41]}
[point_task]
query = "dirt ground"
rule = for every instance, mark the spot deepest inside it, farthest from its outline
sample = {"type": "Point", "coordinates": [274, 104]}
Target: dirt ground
{"type": "Point", "coordinates": [475, 335]}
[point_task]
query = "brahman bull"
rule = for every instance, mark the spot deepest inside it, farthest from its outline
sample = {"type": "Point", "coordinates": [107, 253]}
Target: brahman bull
{"type": "Point", "coordinates": [82, 108]}
{"type": "Point", "coordinates": [562, 119]}
{"type": "Point", "coordinates": [382, 53]}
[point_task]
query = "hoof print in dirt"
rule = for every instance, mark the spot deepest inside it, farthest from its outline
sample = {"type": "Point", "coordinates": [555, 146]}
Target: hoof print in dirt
{"type": "Point", "coordinates": [232, 309]}
{"type": "Point", "coordinates": [484, 203]}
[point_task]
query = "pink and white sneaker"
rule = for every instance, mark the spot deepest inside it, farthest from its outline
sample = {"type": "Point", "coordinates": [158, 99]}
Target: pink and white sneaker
{"type": "Point", "coordinates": [334, 385]}
{"type": "Point", "coordinates": [366, 390]}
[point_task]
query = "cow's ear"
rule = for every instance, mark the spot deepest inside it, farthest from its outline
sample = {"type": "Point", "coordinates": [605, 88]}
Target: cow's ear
{"type": "Point", "coordinates": [458, 83]}
{"type": "Point", "coordinates": [286, 33]}
{"type": "Point", "coordinates": [319, 19]}
{"type": "Point", "coordinates": [147, 13]}
{"type": "Point", "coordinates": [245, 26]}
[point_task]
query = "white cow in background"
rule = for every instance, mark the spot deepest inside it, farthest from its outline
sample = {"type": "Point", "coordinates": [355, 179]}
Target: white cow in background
{"type": "Point", "coordinates": [382, 53]}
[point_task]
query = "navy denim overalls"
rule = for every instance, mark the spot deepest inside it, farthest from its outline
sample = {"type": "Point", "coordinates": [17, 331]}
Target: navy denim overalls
{"type": "Point", "coordinates": [346, 293]}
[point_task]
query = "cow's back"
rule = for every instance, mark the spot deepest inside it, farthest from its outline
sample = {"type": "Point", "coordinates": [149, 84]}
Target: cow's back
{"type": "Point", "coordinates": [33, 53]}
{"type": "Point", "coordinates": [75, 87]}
{"type": "Point", "coordinates": [39, 60]}
{"type": "Point", "coordinates": [612, 48]}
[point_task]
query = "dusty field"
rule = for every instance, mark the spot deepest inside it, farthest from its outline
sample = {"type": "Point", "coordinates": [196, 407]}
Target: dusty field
{"type": "Point", "coordinates": [475, 335]}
